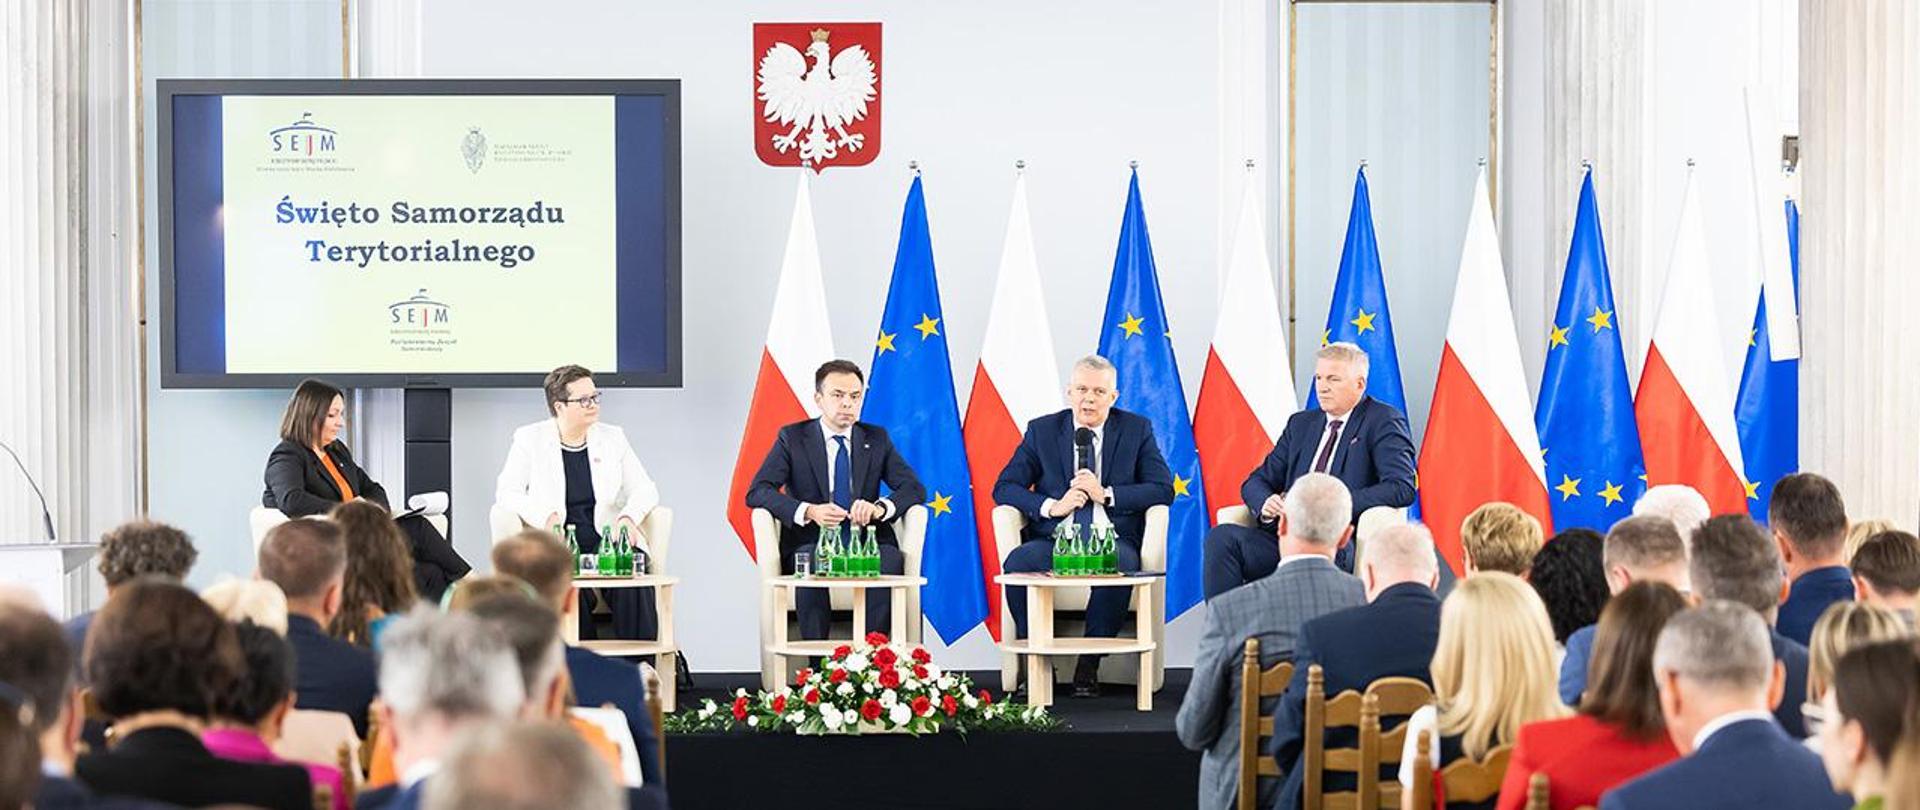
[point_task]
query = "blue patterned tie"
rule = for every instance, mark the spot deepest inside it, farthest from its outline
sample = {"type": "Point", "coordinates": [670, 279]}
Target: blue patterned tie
{"type": "Point", "coordinates": [842, 474]}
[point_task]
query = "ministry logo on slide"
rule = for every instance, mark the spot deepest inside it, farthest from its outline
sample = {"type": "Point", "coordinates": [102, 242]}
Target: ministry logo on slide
{"type": "Point", "coordinates": [474, 149]}
{"type": "Point", "coordinates": [303, 138]}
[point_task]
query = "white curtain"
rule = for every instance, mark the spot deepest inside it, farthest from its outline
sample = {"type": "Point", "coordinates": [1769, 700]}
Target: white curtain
{"type": "Point", "coordinates": [69, 360]}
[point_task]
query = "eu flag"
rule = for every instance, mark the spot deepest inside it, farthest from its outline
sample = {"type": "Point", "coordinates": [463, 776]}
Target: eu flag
{"type": "Point", "coordinates": [911, 395]}
{"type": "Point", "coordinates": [1358, 314]}
{"type": "Point", "coordinates": [1768, 405]}
{"type": "Point", "coordinates": [1136, 337]}
{"type": "Point", "coordinates": [1585, 416]}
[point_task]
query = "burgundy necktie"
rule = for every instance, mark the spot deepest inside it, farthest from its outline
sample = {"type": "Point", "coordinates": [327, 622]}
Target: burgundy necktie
{"type": "Point", "coordinates": [1326, 453]}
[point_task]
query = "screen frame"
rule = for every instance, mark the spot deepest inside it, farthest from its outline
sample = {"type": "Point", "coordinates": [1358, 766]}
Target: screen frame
{"type": "Point", "coordinates": [668, 90]}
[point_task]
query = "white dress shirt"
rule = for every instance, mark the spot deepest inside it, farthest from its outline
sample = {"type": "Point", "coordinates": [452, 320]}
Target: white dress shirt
{"type": "Point", "coordinates": [833, 451]}
{"type": "Point", "coordinates": [1326, 435]}
{"type": "Point", "coordinates": [1716, 724]}
{"type": "Point", "coordinates": [1099, 507]}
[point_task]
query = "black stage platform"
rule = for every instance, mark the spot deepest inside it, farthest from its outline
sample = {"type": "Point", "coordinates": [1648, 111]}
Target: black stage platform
{"type": "Point", "coordinates": [1108, 756]}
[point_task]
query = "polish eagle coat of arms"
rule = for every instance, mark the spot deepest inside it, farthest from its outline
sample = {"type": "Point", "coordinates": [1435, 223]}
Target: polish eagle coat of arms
{"type": "Point", "coordinates": [816, 106]}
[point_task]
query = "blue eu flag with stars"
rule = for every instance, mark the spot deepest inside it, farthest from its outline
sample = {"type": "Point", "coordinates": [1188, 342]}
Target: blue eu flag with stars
{"type": "Point", "coordinates": [1585, 415]}
{"type": "Point", "coordinates": [1767, 410]}
{"type": "Point", "coordinates": [1135, 336]}
{"type": "Point", "coordinates": [1358, 314]}
{"type": "Point", "coordinates": [912, 397]}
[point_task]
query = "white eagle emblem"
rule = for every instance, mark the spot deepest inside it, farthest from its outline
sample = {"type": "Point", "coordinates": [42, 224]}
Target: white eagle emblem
{"type": "Point", "coordinates": [830, 95]}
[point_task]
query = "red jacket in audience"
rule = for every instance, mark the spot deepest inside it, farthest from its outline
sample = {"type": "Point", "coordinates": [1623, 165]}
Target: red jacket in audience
{"type": "Point", "coordinates": [1582, 758]}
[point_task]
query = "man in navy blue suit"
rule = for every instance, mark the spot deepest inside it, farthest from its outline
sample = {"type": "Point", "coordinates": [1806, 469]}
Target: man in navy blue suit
{"type": "Point", "coordinates": [1091, 464]}
{"type": "Point", "coordinates": [307, 558]}
{"type": "Point", "coordinates": [1393, 635]}
{"type": "Point", "coordinates": [443, 676]}
{"type": "Point", "coordinates": [1809, 523]}
{"type": "Point", "coordinates": [1716, 672]}
{"type": "Point", "coordinates": [1732, 558]}
{"type": "Point", "coordinates": [827, 472]}
{"type": "Point", "coordinates": [1353, 437]}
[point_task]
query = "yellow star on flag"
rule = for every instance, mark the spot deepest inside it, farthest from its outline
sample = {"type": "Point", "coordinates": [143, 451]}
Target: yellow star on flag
{"type": "Point", "coordinates": [1751, 334]}
{"type": "Point", "coordinates": [1600, 320]}
{"type": "Point", "coordinates": [1753, 489]}
{"type": "Point", "coordinates": [1325, 334]}
{"type": "Point", "coordinates": [1556, 337]}
{"type": "Point", "coordinates": [1643, 478]}
{"type": "Point", "coordinates": [1611, 493]}
{"type": "Point", "coordinates": [885, 343]}
{"type": "Point", "coordinates": [1131, 326]}
{"type": "Point", "coordinates": [1543, 454]}
{"type": "Point", "coordinates": [1364, 321]}
{"type": "Point", "coordinates": [1180, 485]}
{"type": "Point", "coordinates": [928, 326]}
{"type": "Point", "coordinates": [941, 504]}
{"type": "Point", "coordinates": [1568, 487]}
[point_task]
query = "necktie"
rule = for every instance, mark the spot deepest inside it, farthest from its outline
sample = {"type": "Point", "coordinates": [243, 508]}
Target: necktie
{"type": "Point", "coordinates": [1326, 453]}
{"type": "Point", "coordinates": [842, 474]}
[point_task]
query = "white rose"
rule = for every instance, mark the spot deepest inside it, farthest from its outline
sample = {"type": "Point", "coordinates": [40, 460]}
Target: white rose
{"type": "Point", "coordinates": [869, 688]}
{"type": "Point", "coordinates": [753, 720]}
{"type": "Point", "coordinates": [845, 689]}
{"type": "Point", "coordinates": [796, 717]}
{"type": "Point", "coordinates": [935, 673]}
{"type": "Point", "coordinates": [900, 714]}
{"type": "Point", "coordinates": [910, 682]}
{"type": "Point", "coordinates": [971, 702]}
{"type": "Point", "coordinates": [856, 662]}
{"type": "Point", "coordinates": [831, 717]}
{"type": "Point", "coordinates": [888, 698]}
{"type": "Point", "coordinates": [944, 682]}
{"type": "Point", "coordinates": [739, 693]}
{"type": "Point", "coordinates": [707, 710]}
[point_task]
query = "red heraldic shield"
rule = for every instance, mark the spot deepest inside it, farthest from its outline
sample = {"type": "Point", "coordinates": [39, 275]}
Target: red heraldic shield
{"type": "Point", "coordinates": [816, 93]}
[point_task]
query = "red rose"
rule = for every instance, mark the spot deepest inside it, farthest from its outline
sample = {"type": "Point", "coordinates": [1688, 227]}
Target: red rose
{"type": "Point", "coordinates": [890, 679]}
{"type": "Point", "coordinates": [800, 678]}
{"type": "Point", "coordinates": [949, 705]}
{"type": "Point", "coordinates": [779, 704]}
{"type": "Point", "coordinates": [813, 696]}
{"type": "Point", "coordinates": [841, 652]}
{"type": "Point", "coordinates": [870, 710]}
{"type": "Point", "coordinates": [922, 706]}
{"type": "Point", "coordinates": [919, 672]}
{"type": "Point", "coordinates": [876, 639]}
{"type": "Point", "coordinates": [740, 708]}
{"type": "Point", "coordinates": [920, 655]}
{"type": "Point", "coordinates": [885, 658]}
{"type": "Point", "coordinates": [986, 699]}
{"type": "Point", "coordinates": [836, 676]}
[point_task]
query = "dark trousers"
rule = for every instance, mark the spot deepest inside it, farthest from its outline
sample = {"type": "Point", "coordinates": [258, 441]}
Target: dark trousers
{"type": "Point", "coordinates": [1235, 555]}
{"type": "Point", "coordinates": [816, 610]}
{"type": "Point", "coordinates": [634, 616]}
{"type": "Point", "coordinates": [1106, 607]}
{"type": "Point", "coordinates": [435, 564]}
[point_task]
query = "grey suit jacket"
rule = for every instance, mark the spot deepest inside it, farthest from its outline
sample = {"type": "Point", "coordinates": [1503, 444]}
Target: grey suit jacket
{"type": "Point", "coordinates": [1272, 609]}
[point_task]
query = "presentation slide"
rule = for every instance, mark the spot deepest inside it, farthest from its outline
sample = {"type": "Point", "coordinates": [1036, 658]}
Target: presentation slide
{"type": "Point", "coordinates": [453, 237]}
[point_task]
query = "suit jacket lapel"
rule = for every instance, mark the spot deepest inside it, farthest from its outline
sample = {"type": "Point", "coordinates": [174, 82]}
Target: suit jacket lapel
{"type": "Point", "coordinates": [1349, 433]}
{"type": "Point", "coordinates": [858, 442]}
{"type": "Point", "coordinates": [816, 450]}
{"type": "Point", "coordinates": [1109, 438]}
{"type": "Point", "coordinates": [326, 478]}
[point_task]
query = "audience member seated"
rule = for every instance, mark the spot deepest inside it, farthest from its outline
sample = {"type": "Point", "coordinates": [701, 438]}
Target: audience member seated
{"type": "Point", "coordinates": [1717, 676]}
{"type": "Point", "coordinates": [1886, 572]}
{"type": "Point", "coordinates": [19, 753]}
{"type": "Point", "coordinates": [247, 718]}
{"type": "Point", "coordinates": [542, 561]}
{"type": "Point", "coordinates": [1393, 635]}
{"type": "Point", "coordinates": [1571, 580]}
{"type": "Point", "coordinates": [523, 766]}
{"type": "Point", "coordinates": [249, 600]}
{"type": "Point", "coordinates": [442, 677]}
{"type": "Point", "coordinates": [1618, 733]}
{"type": "Point", "coordinates": [379, 581]}
{"type": "Point", "coordinates": [307, 558]}
{"type": "Point", "coordinates": [1643, 548]}
{"type": "Point", "coordinates": [533, 632]}
{"type": "Point", "coordinates": [1873, 704]}
{"type": "Point", "coordinates": [1307, 585]}
{"type": "Point", "coordinates": [1492, 674]}
{"type": "Point", "coordinates": [1857, 534]}
{"type": "Point", "coordinates": [1499, 537]}
{"type": "Point", "coordinates": [1679, 504]}
{"type": "Point", "coordinates": [141, 548]}
{"type": "Point", "coordinates": [310, 471]}
{"type": "Point", "coordinates": [1844, 626]}
{"type": "Point", "coordinates": [1734, 559]}
{"type": "Point", "coordinates": [1809, 522]}
{"type": "Point", "coordinates": [158, 658]}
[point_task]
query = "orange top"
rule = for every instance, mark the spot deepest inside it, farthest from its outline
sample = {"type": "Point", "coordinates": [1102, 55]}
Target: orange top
{"type": "Point", "coordinates": [380, 772]}
{"type": "Point", "coordinates": [346, 492]}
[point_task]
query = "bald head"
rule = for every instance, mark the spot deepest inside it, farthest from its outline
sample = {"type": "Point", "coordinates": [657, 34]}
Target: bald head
{"type": "Point", "coordinates": [1398, 555]}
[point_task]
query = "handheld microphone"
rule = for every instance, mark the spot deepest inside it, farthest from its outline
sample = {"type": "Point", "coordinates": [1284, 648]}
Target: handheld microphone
{"type": "Point", "coordinates": [1083, 449]}
{"type": "Point", "coordinates": [46, 517]}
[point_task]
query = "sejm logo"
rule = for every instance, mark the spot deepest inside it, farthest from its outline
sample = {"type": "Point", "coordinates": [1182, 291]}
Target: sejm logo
{"type": "Point", "coordinates": [303, 138]}
{"type": "Point", "coordinates": [419, 312]}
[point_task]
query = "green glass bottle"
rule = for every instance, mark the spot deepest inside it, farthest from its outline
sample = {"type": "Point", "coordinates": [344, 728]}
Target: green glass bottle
{"type": "Point", "coordinates": [583, 561]}
{"type": "Point", "coordinates": [873, 551]}
{"type": "Point", "coordinates": [826, 551]}
{"type": "Point", "coordinates": [1060, 549]}
{"type": "Point", "coordinates": [623, 565]}
{"type": "Point", "coordinates": [1109, 557]}
{"type": "Point", "coordinates": [607, 554]}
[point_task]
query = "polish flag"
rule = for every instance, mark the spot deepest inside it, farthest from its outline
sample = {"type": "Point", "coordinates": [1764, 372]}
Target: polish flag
{"type": "Point", "coordinates": [1481, 444]}
{"type": "Point", "coordinates": [1015, 382]}
{"type": "Point", "coordinates": [1684, 404]}
{"type": "Point", "coordinates": [798, 341]}
{"type": "Point", "coordinates": [1246, 393]}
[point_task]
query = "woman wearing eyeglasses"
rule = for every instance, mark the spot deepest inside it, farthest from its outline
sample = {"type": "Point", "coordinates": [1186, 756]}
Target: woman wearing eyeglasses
{"type": "Point", "coordinates": [571, 469]}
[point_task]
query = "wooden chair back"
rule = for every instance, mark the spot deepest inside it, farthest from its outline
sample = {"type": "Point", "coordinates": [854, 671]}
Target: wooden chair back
{"type": "Point", "coordinates": [322, 797]}
{"type": "Point", "coordinates": [1399, 698]}
{"type": "Point", "coordinates": [1256, 726]}
{"type": "Point", "coordinates": [1358, 710]}
{"type": "Point", "coordinates": [347, 759]}
{"type": "Point", "coordinates": [373, 735]}
{"type": "Point", "coordinates": [1465, 779]}
{"type": "Point", "coordinates": [1537, 791]}
{"type": "Point", "coordinates": [656, 711]}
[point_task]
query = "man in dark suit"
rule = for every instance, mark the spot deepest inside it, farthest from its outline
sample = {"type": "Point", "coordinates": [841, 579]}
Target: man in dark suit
{"type": "Point", "coordinates": [1393, 635]}
{"type": "Point", "coordinates": [1716, 674]}
{"type": "Point", "coordinates": [828, 472]}
{"type": "Point", "coordinates": [524, 764]}
{"type": "Point", "coordinates": [1092, 464]}
{"type": "Point", "coordinates": [443, 676]}
{"type": "Point", "coordinates": [307, 558]}
{"type": "Point", "coordinates": [1272, 609]}
{"type": "Point", "coordinates": [1733, 559]}
{"type": "Point", "coordinates": [1353, 437]}
{"type": "Point", "coordinates": [1809, 523]}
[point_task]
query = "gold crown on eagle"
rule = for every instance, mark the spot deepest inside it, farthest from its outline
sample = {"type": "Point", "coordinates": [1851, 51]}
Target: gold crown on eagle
{"type": "Point", "coordinates": [819, 34]}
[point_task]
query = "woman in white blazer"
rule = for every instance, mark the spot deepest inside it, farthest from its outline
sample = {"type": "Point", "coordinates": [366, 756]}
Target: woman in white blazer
{"type": "Point", "coordinates": [571, 469]}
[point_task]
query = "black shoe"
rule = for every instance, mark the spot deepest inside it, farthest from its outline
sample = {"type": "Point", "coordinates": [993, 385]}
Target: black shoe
{"type": "Point", "coordinates": [1086, 678]}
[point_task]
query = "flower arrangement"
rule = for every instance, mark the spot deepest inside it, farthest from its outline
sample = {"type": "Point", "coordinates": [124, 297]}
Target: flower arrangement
{"type": "Point", "coordinates": [877, 686]}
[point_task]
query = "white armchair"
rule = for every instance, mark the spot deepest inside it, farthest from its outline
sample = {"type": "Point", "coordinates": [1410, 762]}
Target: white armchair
{"type": "Point", "coordinates": [909, 529]}
{"type": "Point", "coordinates": [1007, 525]}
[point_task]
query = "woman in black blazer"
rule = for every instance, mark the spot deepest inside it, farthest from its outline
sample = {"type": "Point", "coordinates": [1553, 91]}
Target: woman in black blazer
{"type": "Point", "coordinates": [310, 472]}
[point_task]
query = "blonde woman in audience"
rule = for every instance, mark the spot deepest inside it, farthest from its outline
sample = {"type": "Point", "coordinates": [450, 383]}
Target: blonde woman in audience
{"type": "Point", "coordinates": [1499, 536]}
{"type": "Point", "coordinates": [379, 580]}
{"type": "Point", "coordinates": [250, 600]}
{"type": "Point", "coordinates": [1868, 712]}
{"type": "Point", "coordinates": [1493, 672]}
{"type": "Point", "coordinates": [1844, 626]}
{"type": "Point", "coordinates": [1860, 531]}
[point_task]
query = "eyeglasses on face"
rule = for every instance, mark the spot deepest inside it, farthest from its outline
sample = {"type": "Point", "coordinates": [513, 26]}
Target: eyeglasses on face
{"type": "Point", "coordinates": [591, 399]}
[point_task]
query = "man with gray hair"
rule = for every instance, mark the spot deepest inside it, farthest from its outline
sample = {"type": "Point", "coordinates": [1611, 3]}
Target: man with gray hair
{"type": "Point", "coordinates": [1092, 465]}
{"type": "Point", "coordinates": [1642, 548]}
{"type": "Point", "coordinates": [1679, 503]}
{"type": "Point", "coordinates": [1393, 635]}
{"type": "Point", "coordinates": [1734, 559]}
{"type": "Point", "coordinates": [523, 766]}
{"type": "Point", "coordinates": [1717, 676]}
{"type": "Point", "coordinates": [1353, 437]}
{"type": "Point", "coordinates": [442, 676]}
{"type": "Point", "coordinates": [1305, 586]}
